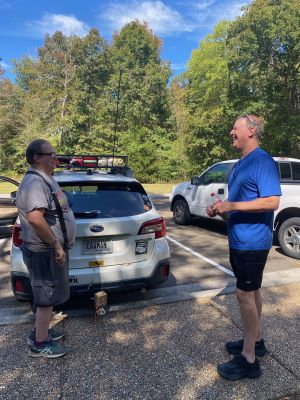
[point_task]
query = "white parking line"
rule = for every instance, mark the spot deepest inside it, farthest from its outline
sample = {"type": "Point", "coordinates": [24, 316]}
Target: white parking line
{"type": "Point", "coordinates": [211, 262]}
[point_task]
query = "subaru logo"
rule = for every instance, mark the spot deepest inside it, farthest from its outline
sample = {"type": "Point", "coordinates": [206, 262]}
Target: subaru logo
{"type": "Point", "coordinates": [96, 228]}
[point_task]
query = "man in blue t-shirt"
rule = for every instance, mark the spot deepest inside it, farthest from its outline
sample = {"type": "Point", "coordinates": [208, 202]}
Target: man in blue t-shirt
{"type": "Point", "coordinates": [254, 190]}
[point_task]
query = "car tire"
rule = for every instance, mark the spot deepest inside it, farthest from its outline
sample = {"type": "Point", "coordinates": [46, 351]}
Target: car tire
{"type": "Point", "coordinates": [289, 237]}
{"type": "Point", "coordinates": [21, 299]}
{"type": "Point", "coordinates": [181, 212]}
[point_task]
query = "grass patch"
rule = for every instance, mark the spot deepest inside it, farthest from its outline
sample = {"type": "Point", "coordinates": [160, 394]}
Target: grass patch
{"type": "Point", "coordinates": [158, 188]}
{"type": "Point", "coordinates": [7, 187]}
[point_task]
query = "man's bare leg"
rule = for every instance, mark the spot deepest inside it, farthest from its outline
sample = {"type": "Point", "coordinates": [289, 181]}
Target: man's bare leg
{"type": "Point", "coordinates": [258, 302]}
{"type": "Point", "coordinates": [43, 318]}
{"type": "Point", "coordinates": [250, 322]}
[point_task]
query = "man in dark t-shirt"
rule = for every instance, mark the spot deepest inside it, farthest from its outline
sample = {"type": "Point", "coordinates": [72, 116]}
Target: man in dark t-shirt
{"type": "Point", "coordinates": [253, 195]}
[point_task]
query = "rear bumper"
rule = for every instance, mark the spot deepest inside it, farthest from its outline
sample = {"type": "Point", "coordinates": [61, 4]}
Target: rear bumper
{"type": "Point", "coordinates": [159, 275]}
{"type": "Point", "coordinates": [22, 288]}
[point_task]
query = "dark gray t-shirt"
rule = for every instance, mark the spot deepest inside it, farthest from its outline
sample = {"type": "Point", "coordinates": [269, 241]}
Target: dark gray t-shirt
{"type": "Point", "coordinates": [34, 193]}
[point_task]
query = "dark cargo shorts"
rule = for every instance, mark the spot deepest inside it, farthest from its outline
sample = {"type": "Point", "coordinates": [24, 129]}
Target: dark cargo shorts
{"type": "Point", "coordinates": [49, 280]}
{"type": "Point", "coordinates": [248, 267]}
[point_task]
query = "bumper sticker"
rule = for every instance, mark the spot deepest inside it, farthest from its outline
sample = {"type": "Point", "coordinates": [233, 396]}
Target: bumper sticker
{"type": "Point", "coordinates": [141, 246]}
{"type": "Point", "coordinates": [99, 263]}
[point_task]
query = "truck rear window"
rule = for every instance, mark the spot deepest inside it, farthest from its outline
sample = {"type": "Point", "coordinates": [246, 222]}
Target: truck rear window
{"type": "Point", "coordinates": [296, 171]}
{"type": "Point", "coordinates": [106, 199]}
{"type": "Point", "coordinates": [289, 171]}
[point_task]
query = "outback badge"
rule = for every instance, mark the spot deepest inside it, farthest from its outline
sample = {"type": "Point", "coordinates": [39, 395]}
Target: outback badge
{"type": "Point", "coordinates": [96, 228]}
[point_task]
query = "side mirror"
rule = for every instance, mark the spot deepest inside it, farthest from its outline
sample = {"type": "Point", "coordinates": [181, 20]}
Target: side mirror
{"type": "Point", "coordinates": [13, 196]}
{"type": "Point", "coordinates": [195, 180]}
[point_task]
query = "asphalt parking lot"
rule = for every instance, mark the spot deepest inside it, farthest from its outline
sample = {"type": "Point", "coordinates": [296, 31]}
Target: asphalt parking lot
{"type": "Point", "coordinates": [199, 263]}
{"type": "Point", "coordinates": [154, 345]}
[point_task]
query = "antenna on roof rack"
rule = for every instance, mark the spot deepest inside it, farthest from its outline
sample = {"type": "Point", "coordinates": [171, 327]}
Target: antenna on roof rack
{"type": "Point", "coordinates": [117, 113]}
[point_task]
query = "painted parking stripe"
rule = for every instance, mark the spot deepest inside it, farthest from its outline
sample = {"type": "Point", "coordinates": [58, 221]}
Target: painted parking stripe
{"type": "Point", "coordinates": [211, 262]}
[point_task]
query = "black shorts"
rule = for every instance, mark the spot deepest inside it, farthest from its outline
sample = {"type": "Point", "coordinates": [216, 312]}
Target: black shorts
{"type": "Point", "coordinates": [49, 280]}
{"type": "Point", "coordinates": [248, 267]}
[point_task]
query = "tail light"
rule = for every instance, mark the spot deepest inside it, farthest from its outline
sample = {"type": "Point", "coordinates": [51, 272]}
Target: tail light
{"type": "Point", "coordinates": [19, 286]}
{"type": "Point", "coordinates": [89, 161]}
{"type": "Point", "coordinates": [165, 271]}
{"type": "Point", "coordinates": [17, 235]}
{"type": "Point", "coordinates": [157, 226]}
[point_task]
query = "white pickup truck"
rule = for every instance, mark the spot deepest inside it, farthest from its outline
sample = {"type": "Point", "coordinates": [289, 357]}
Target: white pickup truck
{"type": "Point", "coordinates": [190, 199]}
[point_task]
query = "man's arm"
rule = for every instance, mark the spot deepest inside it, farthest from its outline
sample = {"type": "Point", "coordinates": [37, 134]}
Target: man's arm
{"type": "Point", "coordinates": [262, 204]}
{"type": "Point", "coordinates": [37, 221]}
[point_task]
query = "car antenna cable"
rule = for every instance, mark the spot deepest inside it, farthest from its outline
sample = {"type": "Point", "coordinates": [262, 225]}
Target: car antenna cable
{"type": "Point", "coordinates": [117, 115]}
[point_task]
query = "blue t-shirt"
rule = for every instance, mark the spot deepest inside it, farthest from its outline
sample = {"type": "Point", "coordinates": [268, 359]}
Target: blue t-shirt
{"type": "Point", "coordinates": [252, 177]}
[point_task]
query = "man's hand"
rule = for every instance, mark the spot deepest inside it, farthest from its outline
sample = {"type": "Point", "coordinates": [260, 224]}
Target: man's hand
{"type": "Point", "coordinates": [40, 225]}
{"type": "Point", "coordinates": [60, 255]}
{"type": "Point", "coordinates": [211, 212]}
{"type": "Point", "coordinates": [222, 207]}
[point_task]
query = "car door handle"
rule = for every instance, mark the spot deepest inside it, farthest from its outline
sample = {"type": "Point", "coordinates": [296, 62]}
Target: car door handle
{"type": "Point", "coordinates": [221, 191]}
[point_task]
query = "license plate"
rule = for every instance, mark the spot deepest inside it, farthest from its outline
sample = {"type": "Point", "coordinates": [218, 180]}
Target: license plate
{"type": "Point", "coordinates": [96, 246]}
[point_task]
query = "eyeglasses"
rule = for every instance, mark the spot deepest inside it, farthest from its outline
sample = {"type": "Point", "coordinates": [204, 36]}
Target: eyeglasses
{"type": "Point", "coordinates": [255, 123]}
{"type": "Point", "coordinates": [52, 154]}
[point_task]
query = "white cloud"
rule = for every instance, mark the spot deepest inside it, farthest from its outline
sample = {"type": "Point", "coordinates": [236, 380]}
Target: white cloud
{"type": "Point", "coordinates": [168, 21]}
{"type": "Point", "coordinates": [203, 5]}
{"type": "Point", "coordinates": [162, 19]}
{"type": "Point", "coordinates": [178, 66]}
{"type": "Point", "coordinates": [4, 65]}
{"type": "Point", "coordinates": [232, 10]}
{"type": "Point", "coordinates": [67, 24]}
{"type": "Point", "coordinates": [208, 13]}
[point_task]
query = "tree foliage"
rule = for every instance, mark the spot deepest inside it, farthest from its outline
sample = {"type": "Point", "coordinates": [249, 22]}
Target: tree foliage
{"type": "Point", "coordinates": [85, 95]}
{"type": "Point", "coordinates": [249, 65]}
{"type": "Point", "coordinates": [264, 61]}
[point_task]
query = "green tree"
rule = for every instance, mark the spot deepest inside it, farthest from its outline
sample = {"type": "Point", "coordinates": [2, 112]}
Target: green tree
{"type": "Point", "coordinates": [11, 123]}
{"type": "Point", "coordinates": [140, 78]}
{"type": "Point", "coordinates": [209, 110]}
{"type": "Point", "coordinates": [264, 53]}
{"type": "Point", "coordinates": [88, 109]}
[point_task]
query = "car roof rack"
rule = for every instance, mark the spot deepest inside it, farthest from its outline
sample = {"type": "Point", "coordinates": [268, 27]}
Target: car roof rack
{"type": "Point", "coordinates": [113, 164]}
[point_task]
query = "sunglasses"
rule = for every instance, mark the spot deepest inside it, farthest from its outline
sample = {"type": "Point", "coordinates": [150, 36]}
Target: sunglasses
{"type": "Point", "coordinates": [255, 123]}
{"type": "Point", "coordinates": [52, 154]}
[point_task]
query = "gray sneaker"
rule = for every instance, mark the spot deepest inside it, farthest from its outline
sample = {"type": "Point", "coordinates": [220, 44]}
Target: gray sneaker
{"type": "Point", "coordinates": [53, 334]}
{"type": "Point", "coordinates": [49, 349]}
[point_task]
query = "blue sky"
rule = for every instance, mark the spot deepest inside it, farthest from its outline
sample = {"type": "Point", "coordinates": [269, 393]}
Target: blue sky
{"type": "Point", "coordinates": [180, 24]}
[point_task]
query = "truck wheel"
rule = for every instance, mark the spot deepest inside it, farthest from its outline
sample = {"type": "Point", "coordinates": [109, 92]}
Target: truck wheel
{"type": "Point", "coordinates": [181, 212]}
{"type": "Point", "coordinates": [289, 237]}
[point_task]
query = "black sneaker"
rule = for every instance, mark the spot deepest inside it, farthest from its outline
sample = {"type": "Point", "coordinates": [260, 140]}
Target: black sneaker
{"type": "Point", "coordinates": [239, 368]}
{"type": "Point", "coordinates": [236, 348]}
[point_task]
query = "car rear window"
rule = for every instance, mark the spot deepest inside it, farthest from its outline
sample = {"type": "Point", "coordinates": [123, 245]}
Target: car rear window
{"type": "Point", "coordinates": [106, 199]}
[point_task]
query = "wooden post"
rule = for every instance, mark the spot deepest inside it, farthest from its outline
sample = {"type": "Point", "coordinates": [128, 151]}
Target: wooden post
{"type": "Point", "coordinates": [100, 301]}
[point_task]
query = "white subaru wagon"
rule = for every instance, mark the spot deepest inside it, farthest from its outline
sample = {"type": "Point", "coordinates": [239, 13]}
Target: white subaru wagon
{"type": "Point", "coordinates": [120, 240]}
